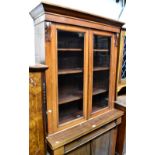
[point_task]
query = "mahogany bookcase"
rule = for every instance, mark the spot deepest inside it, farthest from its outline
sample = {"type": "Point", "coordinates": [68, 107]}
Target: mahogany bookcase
{"type": "Point", "coordinates": [80, 50]}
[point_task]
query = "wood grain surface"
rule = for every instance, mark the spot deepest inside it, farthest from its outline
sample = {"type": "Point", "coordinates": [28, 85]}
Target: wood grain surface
{"type": "Point", "coordinates": [36, 130]}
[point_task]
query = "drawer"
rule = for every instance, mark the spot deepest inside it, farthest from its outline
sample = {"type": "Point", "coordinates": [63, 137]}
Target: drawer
{"type": "Point", "coordinates": [85, 139]}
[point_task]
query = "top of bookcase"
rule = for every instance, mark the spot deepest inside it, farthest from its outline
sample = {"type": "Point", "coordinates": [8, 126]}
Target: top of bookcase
{"type": "Point", "coordinates": [46, 9]}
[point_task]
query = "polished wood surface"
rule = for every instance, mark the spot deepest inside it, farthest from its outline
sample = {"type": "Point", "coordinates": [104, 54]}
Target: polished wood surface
{"type": "Point", "coordinates": [36, 118]}
{"type": "Point", "coordinates": [121, 136]}
{"type": "Point", "coordinates": [113, 137]}
{"type": "Point", "coordinates": [63, 137]}
{"type": "Point", "coordinates": [47, 8]}
{"type": "Point", "coordinates": [77, 22]}
{"type": "Point", "coordinates": [100, 145]}
{"type": "Point", "coordinates": [52, 78]}
{"type": "Point", "coordinates": [49, 79]}
{"type": "Point", "coordinates": [89, 137]}
{"type": "Point", "coordinates": [59, 151]}
{"type": "Point", "coordinates": [82, 150]}
{"type": "Point", "coordinates": [104, 144]}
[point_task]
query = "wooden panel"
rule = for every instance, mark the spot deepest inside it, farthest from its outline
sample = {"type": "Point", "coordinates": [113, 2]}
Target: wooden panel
{"type": "Point", "coordinates": [113, 66]}
{"type": "Point", "coordinates": [73, 145]}
{"type": "Point", "coordinates": [51, 79]}
{"type": "Point", "coordinates": [59, 151]}
{"type": "Point", "coordinates": [51, 8]}
{"type": "Point", "coordinates": [90, 68]}
{"type": "Point", "coordinates": [76, 22]}
{"type": "Point", "coordinates": [70, 28]}
{"type": "Point", "coordinates": [104, 144]}
{"type": "Point", "coordinates": [36, 128]}
{"type": "Point", "coordinates": [83, 150]}
{"type": "Point", "coordinates": [100, 145]}
{"type": "Point", "coordinates": [66, 136]}
{"type": "Point", "coordinates": [112, 144]}
{"type": "Point", "coordinates": [121, 135]}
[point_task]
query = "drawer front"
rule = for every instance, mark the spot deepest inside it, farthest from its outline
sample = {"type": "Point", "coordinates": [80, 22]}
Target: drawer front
{"type": "Point", "coordinates": [85, 139]}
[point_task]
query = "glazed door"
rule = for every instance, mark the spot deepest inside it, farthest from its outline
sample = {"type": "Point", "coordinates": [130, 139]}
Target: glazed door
{"type": "Point", "coordinates": [71, 47]}
{"type": "Point", "coordinates": [100, 52]}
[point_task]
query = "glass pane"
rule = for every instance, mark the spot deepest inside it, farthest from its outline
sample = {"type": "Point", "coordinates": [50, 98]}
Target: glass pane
{"type": "Point", "coordinates": [70, 39]}
{"type": "Point", "coordinates": [70, 60]}
{"type": "Point", "coordinates": [101, 66]}
{"type": "Point", "coordinates": [70, 75]}
{"type": "Point", "coordinates": [101, 42]}
{"type": "Point", "coordinates": [70, 111]}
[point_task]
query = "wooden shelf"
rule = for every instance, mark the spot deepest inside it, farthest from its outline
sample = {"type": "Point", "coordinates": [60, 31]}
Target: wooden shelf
{"type": "Point", "coordinates": [77, 96]}
{"type": "Point", "coordinates": [97, 108]}
{"type": "Point", "coordinates": [70, 49]}
{"type": "Point", "coordinates": [98, 91]}
{"type": "Point", "coordinates": [72, 116]}
{"type": "Point", "coordinates": [100, 68]}
{"type": "Point", "coordinates": [65, 98]}
{"type": "Point", "coordinates": [101, 50]}
{"type": "Point", "coordinates": [66, 137]}
{"type": "Point", "coordinates": [79, 70]}
{"type": "Point", "coordinates": [70, 71]}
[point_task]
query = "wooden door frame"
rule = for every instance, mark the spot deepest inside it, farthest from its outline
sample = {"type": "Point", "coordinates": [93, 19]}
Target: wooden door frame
{"type": "Point", "coordinates": [112, 74]}
{"type": "Point", "coordinates": [52, 93]}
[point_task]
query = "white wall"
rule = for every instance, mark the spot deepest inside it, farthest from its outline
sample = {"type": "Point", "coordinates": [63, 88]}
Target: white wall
{"type": "Point", "coordinates": [106, 8]}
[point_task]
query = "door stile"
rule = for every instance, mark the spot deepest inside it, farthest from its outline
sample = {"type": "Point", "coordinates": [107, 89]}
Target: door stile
{"type": "Point", "coordinates": [90, 73]}
{"type": "Point", "coordinates": [113, 65]}
{"type": "Point", "coordinates": [86, 58]}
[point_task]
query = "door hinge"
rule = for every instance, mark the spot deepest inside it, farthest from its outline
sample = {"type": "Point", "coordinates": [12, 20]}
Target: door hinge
{"type": "Point", "coordinates": [116, 39]}
{"type": "Point", "coordinates": [47, 31]}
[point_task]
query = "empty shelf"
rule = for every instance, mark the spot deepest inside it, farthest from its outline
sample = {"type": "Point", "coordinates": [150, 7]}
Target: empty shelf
{"type": "Point", "coordinates": [70, 49]}
{"type": "Point", "coordinates": [69, 71]}
{"type": "Point", "coordinates": [101, 50]}
{"type": "Point", "coordinates": [100, 68]}
{"type": "Point", "coordinates": [70, 97]}
{"type": "Point", "coordinates": [98, 91]}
